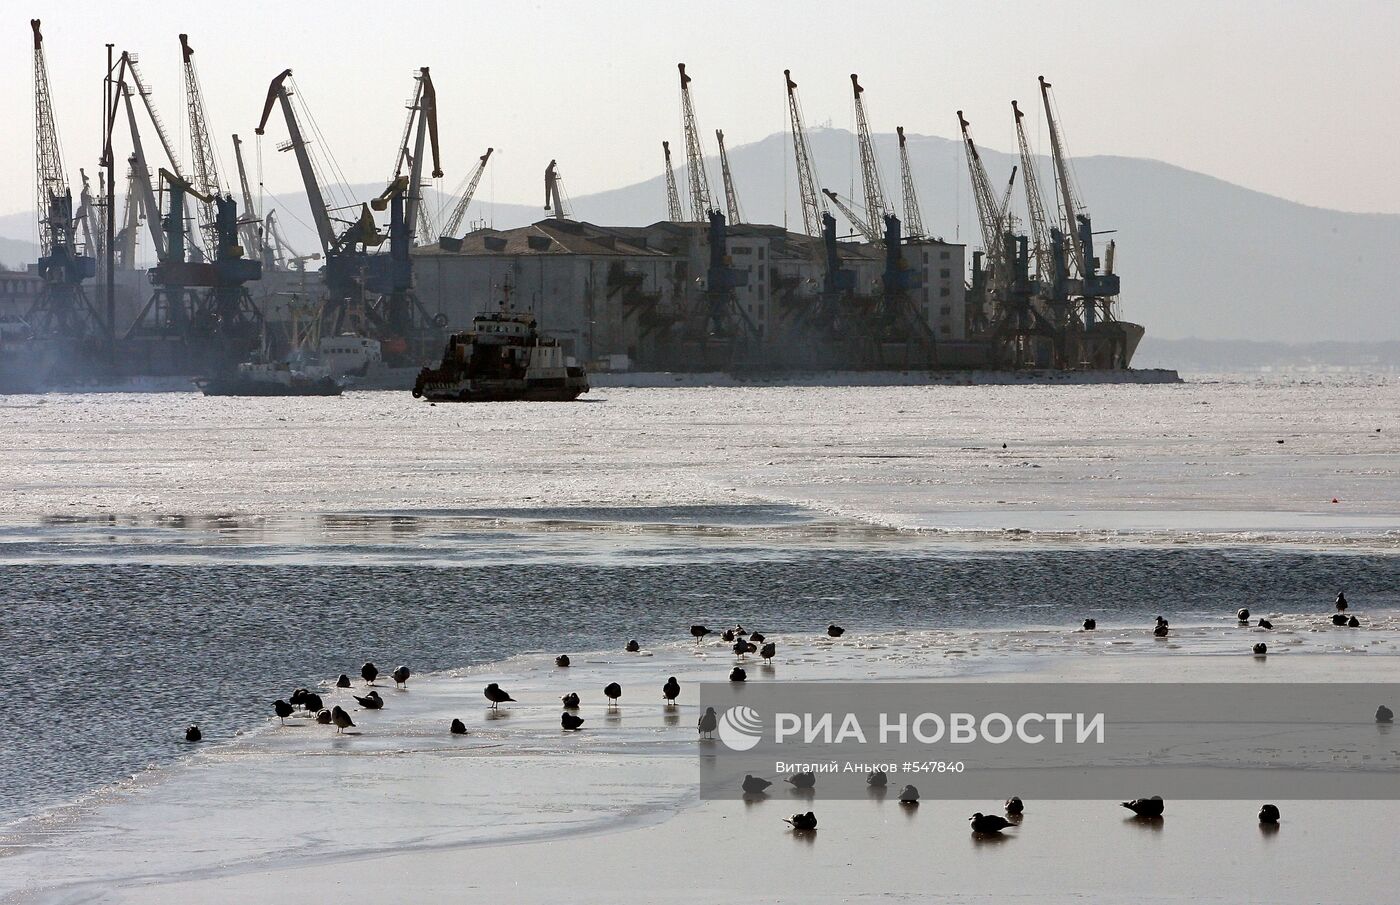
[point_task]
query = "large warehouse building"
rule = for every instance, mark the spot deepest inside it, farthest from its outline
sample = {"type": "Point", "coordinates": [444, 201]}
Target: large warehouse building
{"type": "Point", "coordinates": [636, 297]}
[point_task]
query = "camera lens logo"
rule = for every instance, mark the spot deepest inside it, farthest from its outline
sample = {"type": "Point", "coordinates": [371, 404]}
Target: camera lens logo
{"type": "Point", "coordinates": [740, 728]}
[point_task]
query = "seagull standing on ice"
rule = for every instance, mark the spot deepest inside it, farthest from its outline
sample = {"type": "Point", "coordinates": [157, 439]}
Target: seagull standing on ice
{"type": "Point", "coordinates": [497, 695]}
{"type": "Point", "coordinates": [341, 719]}
{"type": "Point", "coordinates": [708, 722]}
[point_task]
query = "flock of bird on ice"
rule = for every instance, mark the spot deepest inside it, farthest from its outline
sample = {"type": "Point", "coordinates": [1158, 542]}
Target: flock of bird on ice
{"type": "Point", "coordinates": [745, 643]}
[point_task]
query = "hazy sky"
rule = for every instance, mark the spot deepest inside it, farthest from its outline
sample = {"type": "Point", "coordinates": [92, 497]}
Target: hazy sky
{"type": "Point", "coordinates": [1292, 98]}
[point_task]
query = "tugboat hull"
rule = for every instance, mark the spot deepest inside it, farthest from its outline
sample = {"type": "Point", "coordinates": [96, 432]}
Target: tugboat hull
{"type": "Point", "coordinates": [561, 389]}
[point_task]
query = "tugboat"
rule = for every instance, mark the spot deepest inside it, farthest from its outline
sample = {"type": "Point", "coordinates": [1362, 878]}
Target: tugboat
{"type": "Point", "coordinates": [502, 358]}
{"type": "Point", "coordinates": [295, 376]}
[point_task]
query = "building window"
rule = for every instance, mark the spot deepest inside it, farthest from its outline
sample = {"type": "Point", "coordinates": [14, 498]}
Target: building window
{"type": "Point", "coordinates": [945, 273]}
{"type": "Point", "coordinates": [743, 250]}
{"type": "Point", "coordinates": [925, 257]}
{"type": "Point", "coordinates": [945, 329]}
{"type": "Point", "coordinates": [760, 254]}
{"type": "Point", "coordinates": [945, 292]}
{"type": "Point", "coordinates": [946, 310]}
{"type": "Point", "coordinates": [943, 255]}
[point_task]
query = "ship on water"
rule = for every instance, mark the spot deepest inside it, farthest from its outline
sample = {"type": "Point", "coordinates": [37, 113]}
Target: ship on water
{"type": "Point", "coordinates": [502, 358]}
{"type": "Point", "coordinates": [294, 376]}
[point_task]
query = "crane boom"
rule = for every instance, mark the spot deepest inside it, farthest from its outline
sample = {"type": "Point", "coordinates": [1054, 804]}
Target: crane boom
{"type": "Point", "coordinates": [206, 168]}
{"type": "Point", "coordinates": [1067, 198]}
{"type": "Point", "coordinates": [405, 156]}
{"type": "Point", "coordinates": [1004, 219]}
{"type": "Point", "coordinates": [1035, 202]}
{"type": "Point", "coordinates": [425, 110]}
{"type": "Point", "coordinates": [813, 202]}
{"type": "Point", "coordinates": [858, 223]}
{"type": "Point", "coordinates": [988, 211]}
{"type": "Point", "coordinates": [731, 200]}
{"type": "Point", "coordinates": [875, 205]}
{"type": "Point", "coordinates": [278, 93]}
{"type": "Point", "coordinates": [141, 172]}
{"type": "Point", "coordinates": [913, 219]}
{"type": "Point", "coordinates": [131, 218]}
{"type": "Point", "coordinates": [87, 215]}
{"type": "Point", "coordinates": [145, 94]}
{"type": "Point", "coordinates": [700, 203]}
{"type": "Point", "coordinates": [252, 240]}
{"type": "Point", "coordinates": [673, 197]}
{"type": "Point", "coordinates": [553, 198]}
{"type": "Point", "coordinates": [460, 211]}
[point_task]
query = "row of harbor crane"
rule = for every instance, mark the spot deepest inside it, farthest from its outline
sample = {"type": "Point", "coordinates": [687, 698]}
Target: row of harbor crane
{"type": "Point", "coordinates": [891, 316]}
{"type": "Point", "coordinates": [1059, 313]}
{"type": "Point", "coordinates": [1042, 290]}
{"type": "Point", "coordinates": [206, 251]}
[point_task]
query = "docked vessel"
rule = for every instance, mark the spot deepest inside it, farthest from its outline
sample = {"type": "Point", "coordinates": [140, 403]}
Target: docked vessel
{"type": "Point", "coordinates": [358, 362]}
{"type": "Point", "coordinates": [502, 358]}
{"type": "Point", "coordinates": [279, 378]}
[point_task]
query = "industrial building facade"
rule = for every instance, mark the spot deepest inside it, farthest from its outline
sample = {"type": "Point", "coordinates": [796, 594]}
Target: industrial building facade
{"type": "Point", "coordinates": [628, 297]}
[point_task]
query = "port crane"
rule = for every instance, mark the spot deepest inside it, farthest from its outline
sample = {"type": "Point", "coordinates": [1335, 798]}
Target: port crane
{"type": "Point", "coordinates": [876, 208]}
{"type": "Point", "coordinates": [1097, 288]}
{"type": "Point", "coordinates": [141, 171]}
{"type": "Point", "coordinates": [422, 114]}
{"type": "Point", "coordinates": [344, 252]}
{"type": "Point", "coordinates": [132, 212]}
{"type": "Point", "coordinates": [249, 228]}
{"type": "Point", "coordinates": [673, 197]}
{"type": "Point", "coordinates": [700, 203]}
{"type": "Point", "coordinates": [88, 213]}
{"type": "Point", "coordinates": [883, 227]}
{"type": "Point", "coordinates": [1035, 202]}
{"type": "Point", "coordinates": [205, 303]}
{"type": "Point", "coordinates": [813, 206]}
{"type": "Point", "coordinates": [62, 307]}
{"type": "Point", "coordinates": [913, 219]}
{"type": "Point", "coordinates": [281, 251]}
{"type": "Point", "coordinates": [731, 200]}
{"type": "Point", "coordinates": [206, 169]}
{"type": "Point", "coordinates": [350, 268]}
{"type": "Point", "coordinates": [553, 199]}
{"type": "Point", "coordinates": [989, 273]}
{"type": "Point", "coordinates": [454, 222]}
